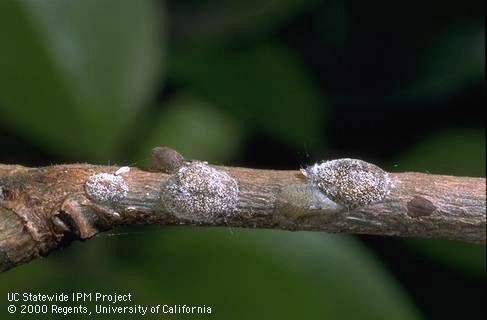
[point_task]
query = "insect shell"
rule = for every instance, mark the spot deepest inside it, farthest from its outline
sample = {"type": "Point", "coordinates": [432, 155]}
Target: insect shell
{"type": "Point", "coordinates": [349, 182]}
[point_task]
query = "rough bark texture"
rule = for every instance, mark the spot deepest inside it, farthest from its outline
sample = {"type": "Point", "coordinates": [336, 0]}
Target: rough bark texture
{"type": "Point", "coordinates": [42, 209]}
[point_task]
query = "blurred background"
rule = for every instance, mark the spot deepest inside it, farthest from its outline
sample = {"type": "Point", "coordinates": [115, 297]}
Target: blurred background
{"type": "Point", "coordinates": [257, 83]}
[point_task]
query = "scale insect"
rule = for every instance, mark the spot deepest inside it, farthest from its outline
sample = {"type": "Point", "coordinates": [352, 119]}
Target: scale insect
{"type": "Point", "coordinates": [350, 182]}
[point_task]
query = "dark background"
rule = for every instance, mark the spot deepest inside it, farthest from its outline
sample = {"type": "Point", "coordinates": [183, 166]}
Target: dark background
{"type": "Point", "coordinates": [267, 84]}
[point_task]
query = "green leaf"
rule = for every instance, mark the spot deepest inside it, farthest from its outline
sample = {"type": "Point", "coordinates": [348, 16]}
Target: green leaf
{"type": "Point", "coordinates": [196, 129]}
{"type": "Point", "coordinates": [265, 87]}
{"type": "Point", "coordinates": [454, 152]}
{"type": "Point", "coordinates": [203, 22]}
{"type": "Point", "coordinates": [454, 60]}
{"type": "Point", "coordinates": [239, 273]}
{"type": "Point", "coordinates": [73, 73]}
{"type": "Point", "coordinates": [460, 256]}
{"type": "Point", "coordinates": [246, 274]}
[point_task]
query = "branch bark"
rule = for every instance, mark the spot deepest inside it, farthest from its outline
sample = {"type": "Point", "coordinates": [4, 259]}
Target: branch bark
{"type": "Point", "coordinates": [42, 209]}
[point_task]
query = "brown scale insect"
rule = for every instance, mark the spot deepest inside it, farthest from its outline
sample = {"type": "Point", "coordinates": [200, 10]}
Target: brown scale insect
{"type": "Point", "coordinates": [166, 159]}
{"type": "Point", "coordinates": [420, 207]}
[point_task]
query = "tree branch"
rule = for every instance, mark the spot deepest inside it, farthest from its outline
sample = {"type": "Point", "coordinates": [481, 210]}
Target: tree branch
{"type": "Point", "coordinates": [42, 209]}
